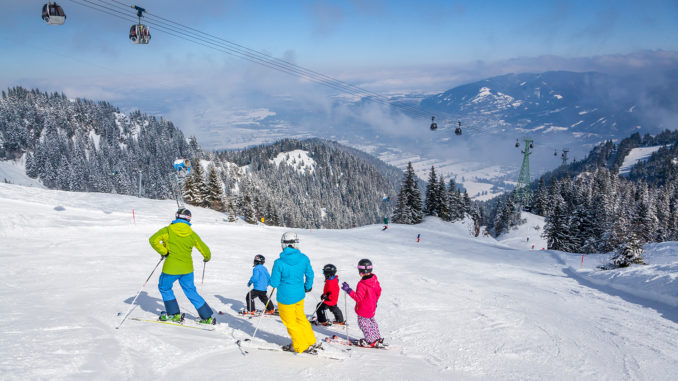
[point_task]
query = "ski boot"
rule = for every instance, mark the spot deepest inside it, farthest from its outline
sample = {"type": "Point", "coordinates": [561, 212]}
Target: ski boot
{"type": "Point", "coordinates": [176, 318]}
{"type": "Point", "coordinates": [271, 312]}
{"type": "Point", "coordinates": [379, 343]}
{"type": "Point", "coordinates": [287, 348]}
{"type": "Point", "coordinates": [312, 350]}
{"type": "Point", "coordinates": [247, 313]}
{"type": "Point", "coordinates": [210, 321]}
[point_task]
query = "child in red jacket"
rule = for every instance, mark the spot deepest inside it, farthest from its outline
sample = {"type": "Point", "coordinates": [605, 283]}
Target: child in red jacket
{"type": "Point", "coordinates": [330, 297]}
{"type": "Point", "coordinates": [366, 297]}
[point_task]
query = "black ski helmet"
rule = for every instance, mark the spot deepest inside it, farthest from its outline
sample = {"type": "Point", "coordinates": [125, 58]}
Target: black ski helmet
{"type": "Point", "coordinates": [329, 270]}
{"type": "Point", "coordinates": [365, 266]}
{"type": "Point", "coordinates": [184, 214]}
{"type": "Point", "coordinates": [259, 259]}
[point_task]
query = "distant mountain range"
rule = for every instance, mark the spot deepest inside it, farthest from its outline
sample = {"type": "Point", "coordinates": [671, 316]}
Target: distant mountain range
{"type": "Point", "coordinates": [582, 107]}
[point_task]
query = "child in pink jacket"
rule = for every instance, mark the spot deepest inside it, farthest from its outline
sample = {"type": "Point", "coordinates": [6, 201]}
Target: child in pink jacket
{"type": "Point", "coordinates": [366, 295]}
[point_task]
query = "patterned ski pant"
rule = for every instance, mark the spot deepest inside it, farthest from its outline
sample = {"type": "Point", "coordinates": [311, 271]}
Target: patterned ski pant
{"type": "Point", "coordinates": [370, 329]}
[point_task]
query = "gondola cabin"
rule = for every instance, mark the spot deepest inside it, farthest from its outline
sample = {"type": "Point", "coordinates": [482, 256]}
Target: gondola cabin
{"type": "Point", "coordinates": [53, 14]}
{"type": "Point", "coordinates": [139, 34]}
{"type": "Point", "coordinates": [517, 143]}
{"type": "Point", "coordinates": [434, 125]}
{"type": "Point", "coordinates": [457, 131]}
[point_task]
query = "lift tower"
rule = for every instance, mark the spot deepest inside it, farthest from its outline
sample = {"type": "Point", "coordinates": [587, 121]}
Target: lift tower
{"type": "Point", "coordinates": [523, 193]}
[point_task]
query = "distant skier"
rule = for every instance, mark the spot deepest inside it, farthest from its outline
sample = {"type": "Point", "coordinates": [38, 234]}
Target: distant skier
{"type": "Point", "coordinates": [260, 280]}
{"type": "Point", "coordinates": [175, 242]}
{"type": "Point", "coordinates": [330, 297]}
{"type": "Point", "coordinates": [292, 275]}
{"type": "Point", "coordinates": [366, 297]}
{"type": "Point", "coordinates": [385, 223]}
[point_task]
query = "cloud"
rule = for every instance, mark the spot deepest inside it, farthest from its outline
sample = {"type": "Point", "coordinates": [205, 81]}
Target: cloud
{"type": "Point", "coordinates": [326, 16]}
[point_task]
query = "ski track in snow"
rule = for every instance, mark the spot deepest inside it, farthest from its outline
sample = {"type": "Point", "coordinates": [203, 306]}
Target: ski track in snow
{"type": "Point", "coordinates": [453, 306]}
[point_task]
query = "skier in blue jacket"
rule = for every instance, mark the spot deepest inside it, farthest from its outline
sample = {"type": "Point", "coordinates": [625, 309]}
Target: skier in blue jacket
{"type": "Point", "coordinates": [260, 280]}
{"type": "Point", "coordinates": [292, 275]}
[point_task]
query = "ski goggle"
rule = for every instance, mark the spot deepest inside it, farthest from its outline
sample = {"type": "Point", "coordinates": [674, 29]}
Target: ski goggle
{"type": "Point", "coordinates": [183, 216]}
{"type": "Point", "coordinates": [369, 267]}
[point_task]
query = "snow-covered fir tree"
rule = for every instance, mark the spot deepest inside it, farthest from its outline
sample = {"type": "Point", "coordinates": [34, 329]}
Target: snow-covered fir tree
{"type": "Point", "coordinates": [432, 197]}
{"type": "Point", "coordinates": [628, 253]}
{"type": "Point", "coordinates": [456, 203]}
{"type": "Point", "coordinates": [443, 201]}
{"type": "Point", "coordinates": [540, 200]}
{"type": "Point", "coordinates": [214, 197]}
{"type": "Point", "coordinates": [409, 209]}
{"type": "Point", "coordinates": [557, 230]}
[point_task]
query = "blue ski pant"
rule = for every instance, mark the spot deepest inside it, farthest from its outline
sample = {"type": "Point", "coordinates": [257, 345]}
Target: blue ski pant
{"type": "Point", "coordinates": [186, 282]}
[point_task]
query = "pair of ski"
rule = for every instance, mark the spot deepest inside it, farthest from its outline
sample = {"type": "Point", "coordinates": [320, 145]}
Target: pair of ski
{"type": "Point", "coordinates": [256, 314]}
{"type": "Point", "coordinates": [328, 324]}
{"type": "Point", "coordinates": [319, 350]}
{"type": "Point", "coordinates": [181, 323]}
{"type": "Point", "coordinates": [353, 343]}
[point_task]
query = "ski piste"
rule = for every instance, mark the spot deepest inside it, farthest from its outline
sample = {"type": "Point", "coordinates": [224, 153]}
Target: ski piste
{"type": "Point", "coordinates": [322, 351]}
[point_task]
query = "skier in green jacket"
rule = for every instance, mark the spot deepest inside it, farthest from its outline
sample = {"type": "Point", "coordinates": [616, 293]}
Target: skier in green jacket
{"type": "Point", "coordinates": [175, 242]}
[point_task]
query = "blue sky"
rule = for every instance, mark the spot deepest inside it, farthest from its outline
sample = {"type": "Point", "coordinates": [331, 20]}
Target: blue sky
{"type": "Point", "coordinates": [384, 46]}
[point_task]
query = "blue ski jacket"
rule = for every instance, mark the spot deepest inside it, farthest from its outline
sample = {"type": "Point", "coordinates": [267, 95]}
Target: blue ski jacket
{"type": "Point", "coordinates": [288, 276]}
{"type": "Point", "coordinates": [259, 278]}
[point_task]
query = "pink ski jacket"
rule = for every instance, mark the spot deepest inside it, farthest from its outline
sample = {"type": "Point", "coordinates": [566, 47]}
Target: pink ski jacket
{"type": "Point", "coordinates": [366, 295]}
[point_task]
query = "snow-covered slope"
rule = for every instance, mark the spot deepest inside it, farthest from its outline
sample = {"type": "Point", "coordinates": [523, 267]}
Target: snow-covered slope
{"type": "Point", "coordinates": [636, 155]}
{"type": "Point", "coordinates": [527, 235]}
{"type": "Point", "coordinates": [453, 306]}
{"type": "Point", "coordinates": [14, 172]}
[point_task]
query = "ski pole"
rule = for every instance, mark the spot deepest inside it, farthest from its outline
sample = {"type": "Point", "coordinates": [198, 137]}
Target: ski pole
{"type": "Point", "coordinates": [345, 325]}
{"type": "Point", "coordinates": [135, 298]}
{"type": "Point", "coordinates": [316, 309]}
{"type": "Point", "coordinates": [202, 281]}
{"type": "Point", "coordinates": [262, 314]}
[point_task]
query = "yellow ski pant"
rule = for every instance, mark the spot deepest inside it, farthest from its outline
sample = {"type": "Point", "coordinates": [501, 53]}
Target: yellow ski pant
{"type": "Point", "coordinates": [298, 327]}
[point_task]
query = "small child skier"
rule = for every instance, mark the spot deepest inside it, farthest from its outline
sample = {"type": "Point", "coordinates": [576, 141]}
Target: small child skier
{"type": "Point", "coordinates": [260, 279]}
{"type": "Point", "coordinates": [330, 297]}
{"type": "Point", "coordinates": [366, 296]}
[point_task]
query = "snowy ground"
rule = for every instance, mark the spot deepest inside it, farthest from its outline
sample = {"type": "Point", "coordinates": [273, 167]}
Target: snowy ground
{"type": "Point", "coordinates": [454, 306]}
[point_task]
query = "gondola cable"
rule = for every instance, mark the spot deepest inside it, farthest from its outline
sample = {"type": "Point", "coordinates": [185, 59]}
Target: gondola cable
{"type": "Point", "coordinates": [178, 30]}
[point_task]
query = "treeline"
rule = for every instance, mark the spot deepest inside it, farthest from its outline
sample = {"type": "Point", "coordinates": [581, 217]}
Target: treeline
{"type": "Point", "coordinates": [441, 199]}
{"type": "Point", "coordinates": [659, 169]}
{"type": "Point", "coordinates": [590, 208]}
{"type": "Point", "coordinates": [86, 146]}
{"type": "Point", "coordinates": [600, 211]}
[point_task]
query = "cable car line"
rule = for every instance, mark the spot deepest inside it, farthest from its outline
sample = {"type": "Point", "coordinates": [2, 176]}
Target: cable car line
{"type": "Point", "coordinates": [266, 61]}
{"type": "Point", "coordinates": [225, 46]}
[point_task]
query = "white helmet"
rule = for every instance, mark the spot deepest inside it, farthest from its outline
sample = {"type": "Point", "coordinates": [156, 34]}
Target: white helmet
{"type": "Point", "coordinates": [289, 239]}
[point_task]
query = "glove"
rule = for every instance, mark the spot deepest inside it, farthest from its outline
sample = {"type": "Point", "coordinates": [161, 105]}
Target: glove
{"type": "Point", "coordinates": [249, 284]}
{"type": "Point", "coordinates": [165, 255]}
{"type": "Point", "coordinates": [346, 287]}
{"type": "Point", "coordinates": [205, 260]}
{"type": "Point", "coordinates": [309, 290]}
{"type": "Point", "coordinates": [325, 296]}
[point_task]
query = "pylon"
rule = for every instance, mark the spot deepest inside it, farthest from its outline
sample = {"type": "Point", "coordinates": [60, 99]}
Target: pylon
{"type": "Point", "coordinates": [523, 193]}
